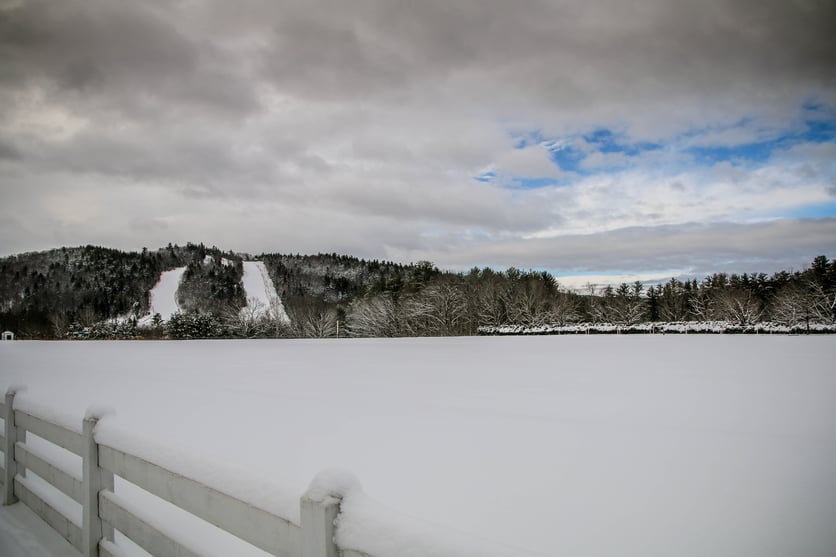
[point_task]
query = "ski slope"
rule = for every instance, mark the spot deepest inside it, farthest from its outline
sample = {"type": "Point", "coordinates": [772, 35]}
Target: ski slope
{"type": "Point", "coordinates": [261, 296]}
{"type": "Point", "coordinates": [584, 446]}
{"type": "Point", "coordinates": [260, 292]}
{"type": "Point", "coordinates": [163, 297]}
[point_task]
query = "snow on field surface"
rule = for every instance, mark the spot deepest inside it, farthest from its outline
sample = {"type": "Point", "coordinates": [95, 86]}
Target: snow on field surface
{"type": "Point", "coordinates": [24, 534]}
{"type": "Point", "coordinates": [260, 291]}
{"type": "Point", "coordinates": [579, 446]}
{"type": "Point", "coordinates": [163, 297]}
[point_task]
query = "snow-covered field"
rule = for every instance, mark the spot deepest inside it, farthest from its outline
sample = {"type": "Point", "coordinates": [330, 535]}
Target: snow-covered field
{"type": "Point", "coordinates": [575, 445]}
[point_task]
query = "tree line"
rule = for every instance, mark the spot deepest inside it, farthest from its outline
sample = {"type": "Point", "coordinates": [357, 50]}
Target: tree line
{"type": "Point", "coordinates": [484, 299]}
{"type": "Point", "coordinates": [94, 292]}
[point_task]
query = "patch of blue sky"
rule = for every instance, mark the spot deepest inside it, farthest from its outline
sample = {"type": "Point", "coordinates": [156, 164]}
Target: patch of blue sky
{"type": "Point", "coordinates": [568, 159]}
{"type": "Point", "coordinates": [535, 183]}
{"type": "Point", "coordinates": [520, 182]}
{"type": "Point", "coordinates": [762, 151]}
{"type": "Point", "coordinates": [819, 131]}
{"type": "Point", "coordinates": [485, 177]}
{"type": "Point", "coordinates": [819, 127]}
{"type": "Point", "coordinates": [815, 211]}
{"type": "Point", "coordinates": [607, 142]}
{"type": "Point", "coordinates": [739, 154]}
{"type": "Point", "coordinates": [568, 153]}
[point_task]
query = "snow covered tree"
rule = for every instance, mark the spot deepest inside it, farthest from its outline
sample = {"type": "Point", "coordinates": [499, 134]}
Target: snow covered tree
{"type": "Point", "coordinates": [251, 321]}
{"type": "Point", "coordinates": [310, 318]}
{"type": "Point", "coordinates": [824, 305]}
{"type": "Point", "coordinates": [377, 316]}
{"type": "Point", "coordinates": [627, 307]}
{"type": "Point", "coordinates": [793, 306]}
{"type": "Point", "coordinates": [564, 309]}
{"type": "Point", "coordinates": [673, 301]}
{"type": "Point", "coordinates": [194, 325]}
{"type": "Point", "coordinates": [439, 309]}
{"type": "Point", "coordinates": [737, 306]}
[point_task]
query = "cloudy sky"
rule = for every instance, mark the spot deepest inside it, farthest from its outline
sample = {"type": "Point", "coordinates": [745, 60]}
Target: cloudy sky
{"type": "Point", "coordinates": [647, 138]}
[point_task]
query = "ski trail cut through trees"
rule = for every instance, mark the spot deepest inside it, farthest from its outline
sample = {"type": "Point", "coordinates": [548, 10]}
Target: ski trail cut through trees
{"type": "Point", "coordinates": [163, 297]}
{"type": "Point", "coordinates": [260, 292]}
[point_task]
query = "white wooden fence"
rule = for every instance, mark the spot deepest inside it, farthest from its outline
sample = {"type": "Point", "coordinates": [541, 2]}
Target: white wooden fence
{"type": "Point", "coordinates": [104, 511]}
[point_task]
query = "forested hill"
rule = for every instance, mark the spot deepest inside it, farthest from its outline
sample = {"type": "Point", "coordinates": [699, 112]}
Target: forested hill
{"type": "Point", "coordinates": [43, 292]}
{"type": "Point", "coordinates": [46, 294]}
{"type": "Point", "coordinates": [96, 292]}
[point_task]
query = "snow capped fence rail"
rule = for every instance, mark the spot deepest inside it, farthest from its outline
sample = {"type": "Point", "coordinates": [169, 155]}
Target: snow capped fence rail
{"type": "Point", "coordinates": [104, 511]}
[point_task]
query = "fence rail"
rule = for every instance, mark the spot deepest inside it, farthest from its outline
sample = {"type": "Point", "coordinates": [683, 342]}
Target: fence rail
{"type": "Point", "coordinates": [104, 511]}
{"type": "Point", "coordinates": [71, 531]}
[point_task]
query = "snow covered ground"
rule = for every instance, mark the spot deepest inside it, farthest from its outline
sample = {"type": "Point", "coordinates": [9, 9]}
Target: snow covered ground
{"type": "Point", "coordinates": [572, 445]}
{"type": "Point", "coordinates": [23, 534]}
{"type": "Point", "coordinates": [163, 297]}
{"type": "Point", "coordinates": [260, 291]}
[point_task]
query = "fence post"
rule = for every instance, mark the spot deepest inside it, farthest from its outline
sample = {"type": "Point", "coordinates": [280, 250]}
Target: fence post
{"type": "Point", "coordinates": [95, 479]}
{"type": "Point", "coordinates": [9, 450]}
{"type": "Point", "coordinates": [318, 528]}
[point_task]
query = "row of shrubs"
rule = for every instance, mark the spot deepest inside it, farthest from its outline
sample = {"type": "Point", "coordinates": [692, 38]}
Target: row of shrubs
{"type": "Point", "coordinates": [679, 327]}
{"type": "Point", "coordinates": [188, 325]}
{"type": "Point", "coordinates": [205, 325]}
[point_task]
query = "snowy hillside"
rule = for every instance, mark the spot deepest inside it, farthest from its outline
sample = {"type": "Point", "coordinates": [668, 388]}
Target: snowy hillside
{"type": "Point", "coordinates": [581, 446]}
{"type": "Point", "coordinates": [260, 293]}
{"type": "Point", "coordinates": [163, 297]}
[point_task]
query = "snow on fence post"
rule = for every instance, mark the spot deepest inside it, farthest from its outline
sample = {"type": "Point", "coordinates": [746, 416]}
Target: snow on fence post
{"type": "Point", "coordinates": [318, 518]}
{"type": "Point", "coordinates": [94, 480]}
{"type": "Point", "coordinates": [9, 450]}
{"type": "Point", "coordinates": [320, 506]}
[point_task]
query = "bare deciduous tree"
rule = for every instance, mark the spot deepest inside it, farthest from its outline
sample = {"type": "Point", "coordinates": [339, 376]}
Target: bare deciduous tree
{"type": "Point", "coordinates": [315, 322]}
{"type": "Point", "coordinates": [792, 306]}
{"type": "Point", "coordinates": [60, 322]}
{"type": "Point", "coordinates": [823, 305]}
{"type": "Point", "coordinates": [250, 321]}
{"type": "Point", "coordinates": [377, 316]}
{"type": "Point", "coordinates": [439, 309]}
{"type": "Point", "coordinates": [564, 309]}
{"type": "Point", "coordinates": [738, 306]}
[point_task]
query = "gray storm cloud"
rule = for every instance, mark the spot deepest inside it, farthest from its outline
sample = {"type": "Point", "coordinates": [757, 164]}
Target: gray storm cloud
{"type": "Point", "coordinates": [359, 126]}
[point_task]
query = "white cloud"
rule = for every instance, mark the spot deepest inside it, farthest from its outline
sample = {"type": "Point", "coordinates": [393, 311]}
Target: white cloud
{"type": "Point", "coordinates": [581, 283]}
{"type": "Point", "coordinates": [531, 161]}
{"type": "Point", "coordinates": [358, 127]}
{"type": "Point", "coordinates": [599, 160]}
{"type": "Point", "coordinates": [730, 137]}
{"type": "Point", "coordinates": [692, 249]}
{"type": "Point", "coordinates": [35, 116]}
{"type": "Point", "coordinates": [636, 197]}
